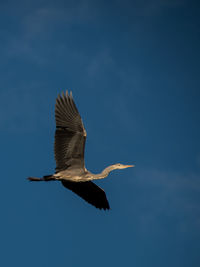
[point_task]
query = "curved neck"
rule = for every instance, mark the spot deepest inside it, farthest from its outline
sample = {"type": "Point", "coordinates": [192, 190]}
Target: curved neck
{"type": "Point", "coordinates": [104, 173]}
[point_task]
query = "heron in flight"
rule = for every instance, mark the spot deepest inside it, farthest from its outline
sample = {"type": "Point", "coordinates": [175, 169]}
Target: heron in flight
{"type": "Point", "coordinates": [69, 146]}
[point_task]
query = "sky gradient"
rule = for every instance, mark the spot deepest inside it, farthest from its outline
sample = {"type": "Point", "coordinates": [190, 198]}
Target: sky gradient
{"type": "Point", "coordinates": [133, 68]}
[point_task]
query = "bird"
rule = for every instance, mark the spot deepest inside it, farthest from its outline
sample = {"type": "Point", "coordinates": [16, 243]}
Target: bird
{"type": "Point", "coordinates": [69, 147]}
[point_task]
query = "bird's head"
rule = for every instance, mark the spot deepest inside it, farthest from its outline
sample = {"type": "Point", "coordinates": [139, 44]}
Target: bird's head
{"type": "Point", "coordinates": [121, 166]}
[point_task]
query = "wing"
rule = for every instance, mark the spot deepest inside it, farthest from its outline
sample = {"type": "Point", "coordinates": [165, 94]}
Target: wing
{"type": "Point", "coordinates": [70, 134]}
{"type": "Point", "coordinates": [90, 192]}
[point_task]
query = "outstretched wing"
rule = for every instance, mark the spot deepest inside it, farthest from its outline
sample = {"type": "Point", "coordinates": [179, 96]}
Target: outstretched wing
{"type": "Point", "coordinates": [70, 134]}
{"type": "Point", "coordinates": [90, 192]}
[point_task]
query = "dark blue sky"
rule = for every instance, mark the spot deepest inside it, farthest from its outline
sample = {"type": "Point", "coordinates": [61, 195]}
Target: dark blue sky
{"type": "Point", "coordinates": [133, 67]}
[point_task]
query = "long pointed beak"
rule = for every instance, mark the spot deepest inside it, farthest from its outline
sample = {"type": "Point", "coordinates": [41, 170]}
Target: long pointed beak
{"type": "Point", "coordinates": [128, 166]}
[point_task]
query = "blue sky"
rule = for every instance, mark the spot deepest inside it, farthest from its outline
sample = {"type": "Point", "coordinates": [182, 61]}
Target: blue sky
{"type": "Point", "coordinates": [133, 67]}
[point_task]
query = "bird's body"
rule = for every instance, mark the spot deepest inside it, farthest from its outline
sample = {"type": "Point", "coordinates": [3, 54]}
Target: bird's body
{"type": "Point", "coordinates": [70, 137]}
{"type": "Point", "coordinates": [74, 175]}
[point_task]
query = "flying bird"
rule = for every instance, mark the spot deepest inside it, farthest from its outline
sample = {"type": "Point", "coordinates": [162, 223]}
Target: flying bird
{"type": "Point", "coordinates": [69, 146]}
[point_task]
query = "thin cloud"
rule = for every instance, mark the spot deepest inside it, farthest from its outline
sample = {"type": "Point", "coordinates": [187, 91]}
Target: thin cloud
{"type": "Point", "coordinates": [37, 26]}
{"type": "Point", "coordinates": [23, 109]}
{"type": "Point", "coordinates": [169, 195]}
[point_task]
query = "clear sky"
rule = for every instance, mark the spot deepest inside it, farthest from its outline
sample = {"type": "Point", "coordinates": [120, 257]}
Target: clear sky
{"type": "Point", "coordinates": [134, 69]}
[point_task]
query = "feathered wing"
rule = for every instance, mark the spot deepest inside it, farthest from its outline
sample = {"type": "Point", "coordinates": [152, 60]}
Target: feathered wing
{"type": "Point", "coordinates": [70, 134]}
{"type": "Point", "coordinates": [90, 192]}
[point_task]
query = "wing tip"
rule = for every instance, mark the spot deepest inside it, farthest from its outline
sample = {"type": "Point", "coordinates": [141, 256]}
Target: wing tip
{"type": "Point", "coordinates": [107, 208]}
{"type": "Point", "coordinates": [67, 93]}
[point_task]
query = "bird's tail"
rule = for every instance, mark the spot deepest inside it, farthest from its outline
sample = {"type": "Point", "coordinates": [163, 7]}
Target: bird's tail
{"type": "Point", "coordinates": [45, 178]}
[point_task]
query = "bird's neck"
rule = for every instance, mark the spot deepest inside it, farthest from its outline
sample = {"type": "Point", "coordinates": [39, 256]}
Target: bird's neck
{"type": "Point", "coordinates": [104, 173]}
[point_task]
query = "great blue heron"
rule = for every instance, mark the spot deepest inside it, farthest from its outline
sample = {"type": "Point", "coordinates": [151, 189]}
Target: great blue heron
{"type": "Point", "coordinates": [70, 137]}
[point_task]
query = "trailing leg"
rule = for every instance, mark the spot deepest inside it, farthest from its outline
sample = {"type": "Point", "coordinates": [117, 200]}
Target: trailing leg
{"type": "Point", "coordinates": [45, 178]}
